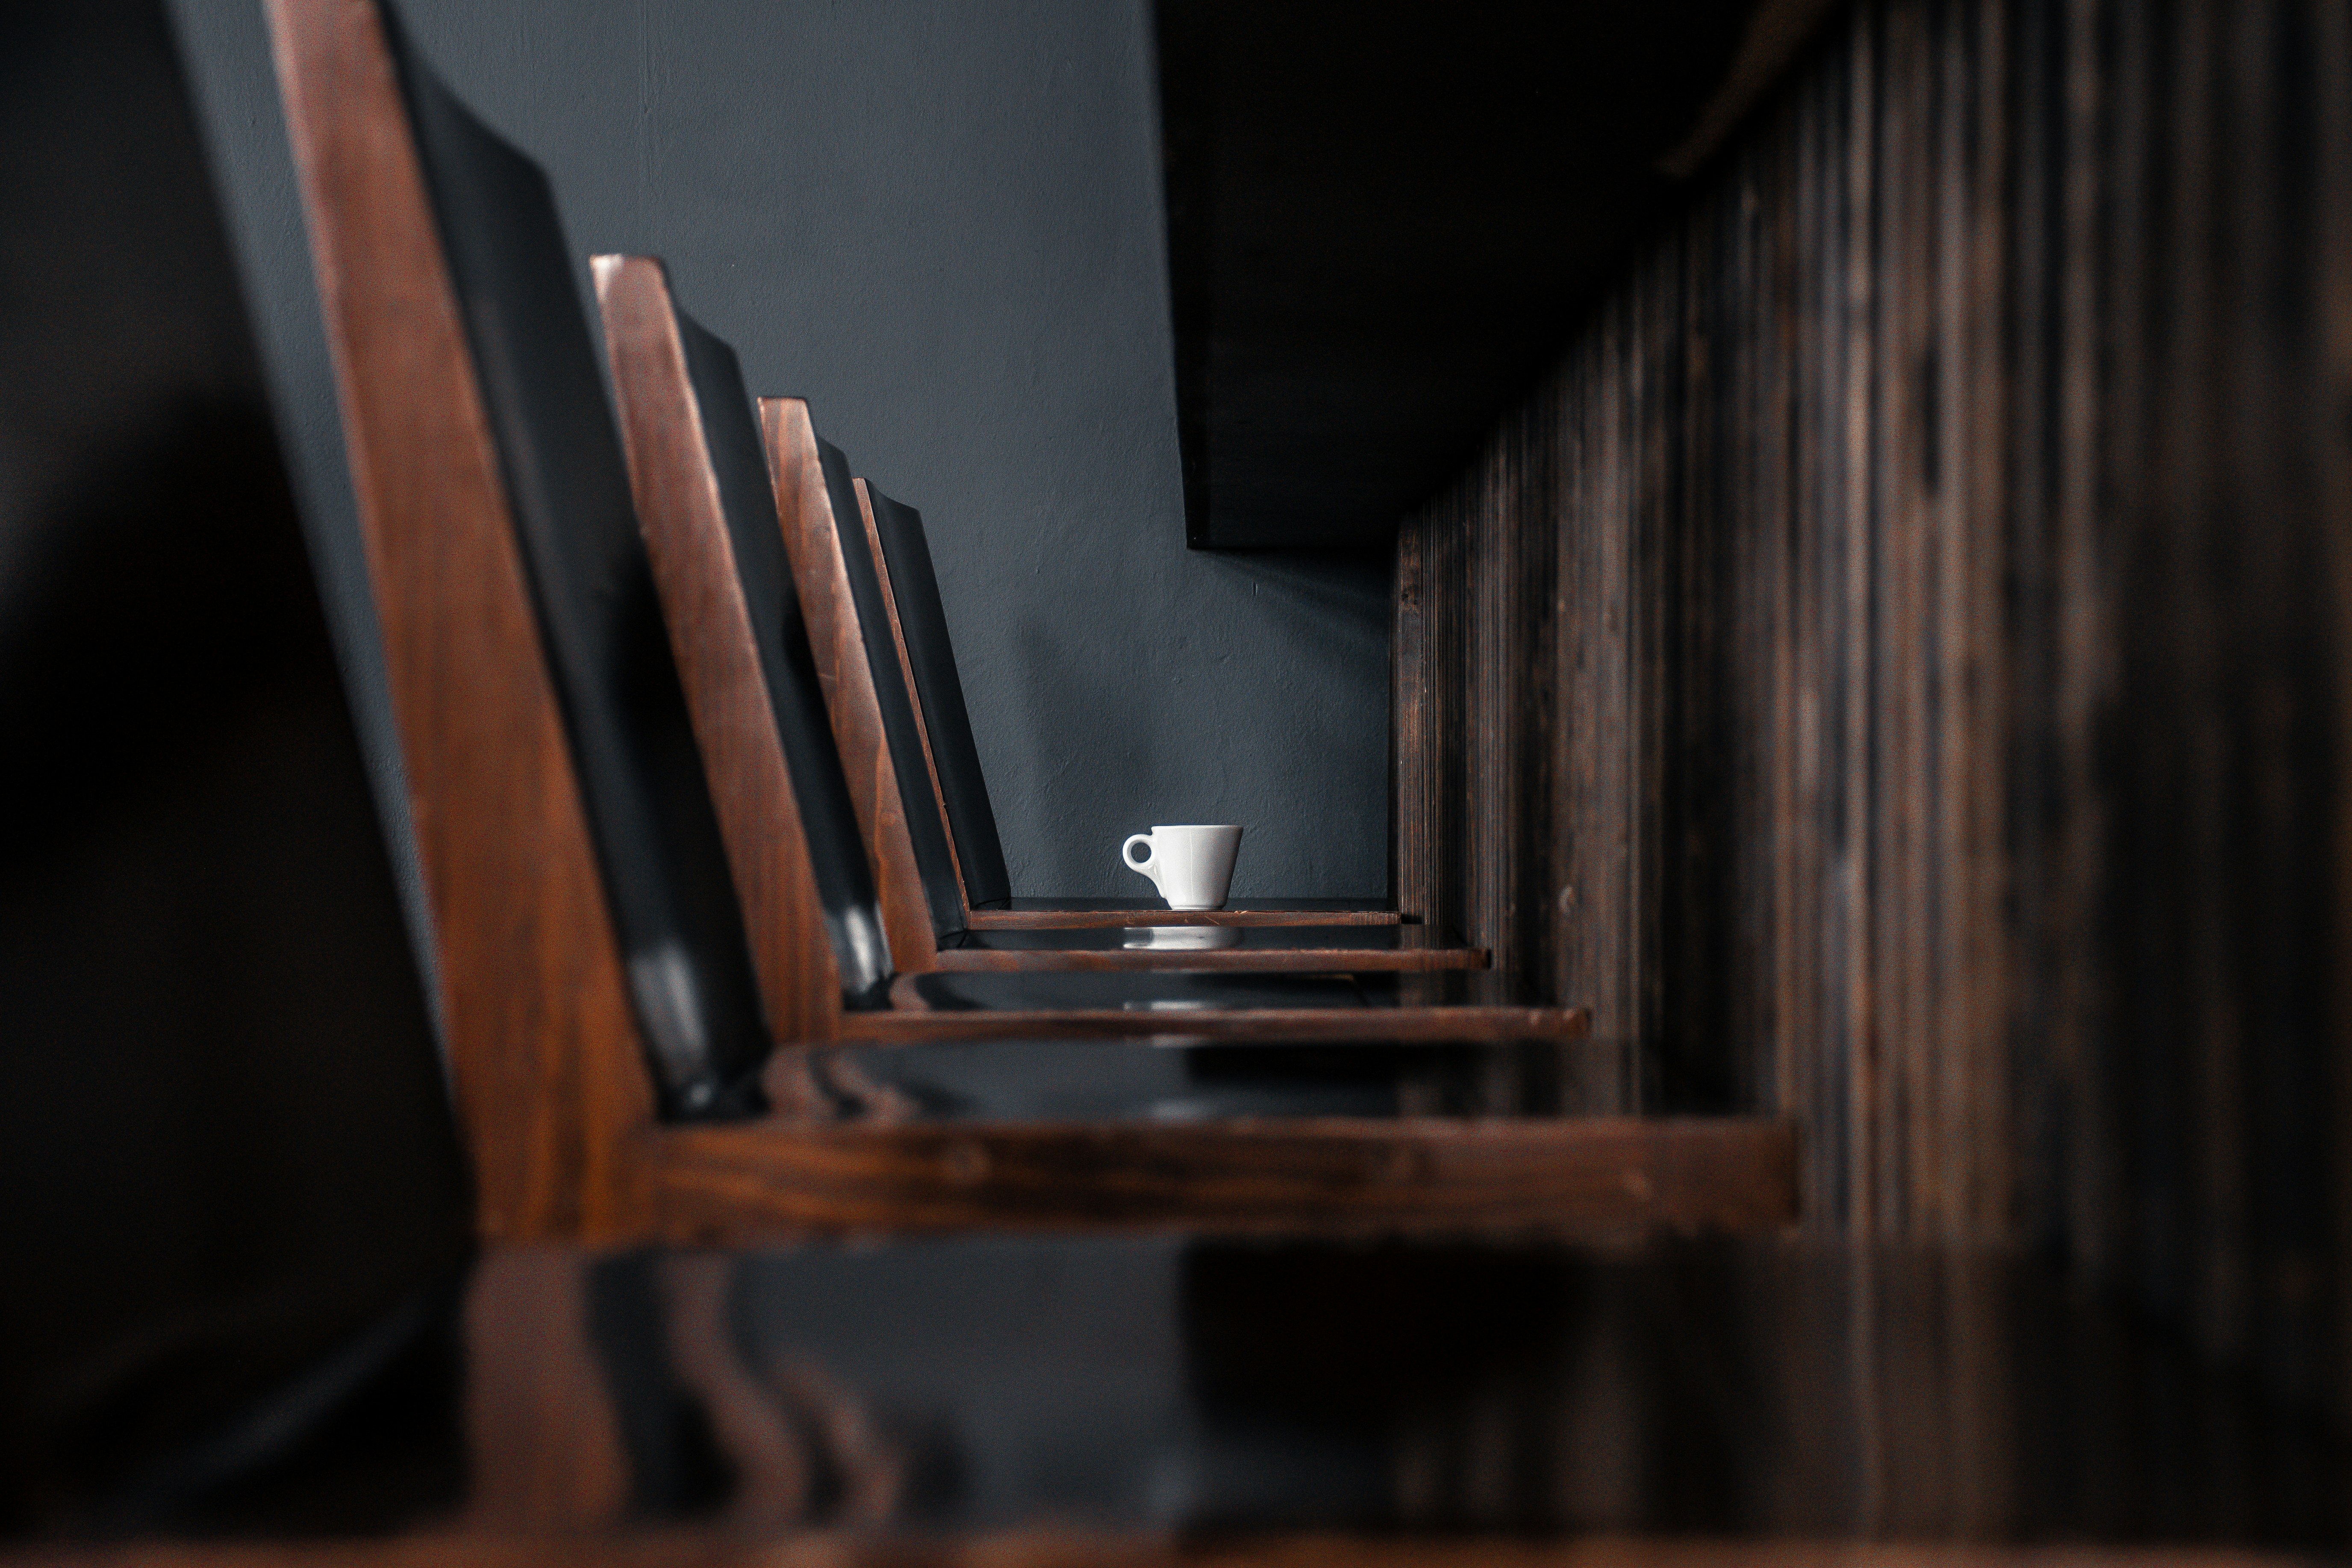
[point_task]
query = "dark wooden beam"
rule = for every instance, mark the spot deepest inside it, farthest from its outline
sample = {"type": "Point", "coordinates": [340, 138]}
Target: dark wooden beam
{"type": "Point", "coordinates": [1303, 1177]}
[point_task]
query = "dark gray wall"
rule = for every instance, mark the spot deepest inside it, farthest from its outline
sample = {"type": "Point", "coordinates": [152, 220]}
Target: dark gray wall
{"type": "Point", "coordinates": [941, 223]}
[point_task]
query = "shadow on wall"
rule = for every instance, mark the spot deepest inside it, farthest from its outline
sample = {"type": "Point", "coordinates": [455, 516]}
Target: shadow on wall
{"type": "Point", "coordinates": [1108, 772]}
{"type": "Point", "coordinates": [1328, 614]}
{"type": "Point", "coordinates": [1309, 833]}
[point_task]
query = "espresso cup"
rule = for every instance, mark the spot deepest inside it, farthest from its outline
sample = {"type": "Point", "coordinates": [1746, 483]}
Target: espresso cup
{"type": "Point", "coordinates": [1193, 866]}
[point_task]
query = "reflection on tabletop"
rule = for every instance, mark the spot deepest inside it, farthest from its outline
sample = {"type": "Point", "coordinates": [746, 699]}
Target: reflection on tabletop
{"type": "Point", "coordinates": [1154, 1384]}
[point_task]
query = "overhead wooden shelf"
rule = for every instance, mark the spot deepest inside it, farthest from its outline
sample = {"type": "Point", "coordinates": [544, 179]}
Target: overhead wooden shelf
{"type": "Point", "coordinates": [1384, 220]}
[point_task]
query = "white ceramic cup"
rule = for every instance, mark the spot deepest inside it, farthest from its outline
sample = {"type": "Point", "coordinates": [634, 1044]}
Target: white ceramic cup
{"type": "Point", "coordinates": [1193, 866]}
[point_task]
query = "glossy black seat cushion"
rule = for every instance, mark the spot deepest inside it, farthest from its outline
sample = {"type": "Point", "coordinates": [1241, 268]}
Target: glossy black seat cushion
{"type": "Point", "coordinates": [656, 833]}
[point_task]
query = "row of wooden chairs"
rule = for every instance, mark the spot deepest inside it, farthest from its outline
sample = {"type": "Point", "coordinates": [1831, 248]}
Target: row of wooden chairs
{"type": "Point", "coordinates": [800, 554]}
{"type": "Point", "coordinates": [715, 538]}
{"type": "Point", "coordinates": [650, 845]}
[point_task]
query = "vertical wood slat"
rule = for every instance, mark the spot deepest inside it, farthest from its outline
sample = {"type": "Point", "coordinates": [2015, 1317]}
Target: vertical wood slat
{"type": "Point", "coordinates": [1934, 544]}
{"type": "Point", "coordinates": [813, 545]}
{"type": "Point", "coordinates": [2332, 221]}
{"type": "Point", "coordinates": [1411, 687]}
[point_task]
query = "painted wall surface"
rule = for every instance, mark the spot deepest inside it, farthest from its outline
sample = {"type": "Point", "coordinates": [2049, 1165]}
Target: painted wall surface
{"type": "Point", "coordinates": [940, 222]}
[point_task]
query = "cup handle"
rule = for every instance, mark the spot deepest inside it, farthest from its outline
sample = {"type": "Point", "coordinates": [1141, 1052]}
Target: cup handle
{"type": "Point", "coordinates": [1149, 865]}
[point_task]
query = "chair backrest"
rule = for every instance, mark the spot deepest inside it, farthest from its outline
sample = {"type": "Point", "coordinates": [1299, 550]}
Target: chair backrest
{"type": "Point", "coordinates": [926, 825]}
{"type": "Point", "coordinates": [579, 884]}
{"type": "Point", "coordinates": [709, 509]}
{"type": "Point", "coordinates": [912, 588]}
{"type": "Point", "coordinates": [864, 687]}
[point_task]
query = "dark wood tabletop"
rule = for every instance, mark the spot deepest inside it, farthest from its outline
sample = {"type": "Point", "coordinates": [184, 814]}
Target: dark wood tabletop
{"type": "Point", "coordinates": [1031, 1390]}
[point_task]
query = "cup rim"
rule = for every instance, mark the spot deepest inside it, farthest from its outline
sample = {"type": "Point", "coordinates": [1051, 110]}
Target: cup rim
{"type": "Point", "coordinates": [1195, 826]}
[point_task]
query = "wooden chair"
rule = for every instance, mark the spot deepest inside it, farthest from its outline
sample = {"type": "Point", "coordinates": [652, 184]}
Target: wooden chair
{"type": "Point", "coordinates": [781, 744]}
{"type": "Point", "coordinates": [812, 486]}
{"type": "Point", "coordinates": [907, 591]}
{"type": "Point", "coordinates": [599, 1000]}
{"type": "Point", "coordinates": [719, 557]}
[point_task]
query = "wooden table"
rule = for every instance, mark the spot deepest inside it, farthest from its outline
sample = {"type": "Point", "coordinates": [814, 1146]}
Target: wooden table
{"type": "Point", "coordinates": [1032, 1399]}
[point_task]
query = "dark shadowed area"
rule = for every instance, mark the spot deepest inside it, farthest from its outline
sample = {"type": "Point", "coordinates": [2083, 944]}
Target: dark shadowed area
{"type": "Point", "coordinates": [228, 1159]}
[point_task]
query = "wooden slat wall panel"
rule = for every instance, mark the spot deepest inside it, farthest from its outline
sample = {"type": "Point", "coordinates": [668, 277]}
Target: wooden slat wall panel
{"type": "Point", "coordinates": [1895, 669]}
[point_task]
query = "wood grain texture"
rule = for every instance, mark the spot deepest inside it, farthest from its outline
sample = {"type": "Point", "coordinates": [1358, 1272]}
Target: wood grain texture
{"type": "Point", "coordinates": [2330, 221]}
{"type": "Point", "coordinates": [1934, 546]}
{"type": "Point", "coordinates": [710, 634]}
{"type": "Point", "coordinates": [1312, 1174]}
{"type": "Point", "coordinates": [813, 539]}
{"type": "Point", "coordinates": [543, 1049]}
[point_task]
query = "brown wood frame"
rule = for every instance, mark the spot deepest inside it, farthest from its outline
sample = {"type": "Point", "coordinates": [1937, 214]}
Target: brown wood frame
{"type": "Point", "coordinates": [1589, 1175]}
{"type": "Point", "coordinates": [789, 437]}
{"type": "Point", "coordinates": [548, 1066]}
{"type": "Point", "coordinates": [549, 1071]}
